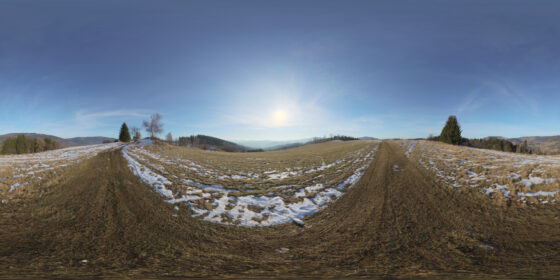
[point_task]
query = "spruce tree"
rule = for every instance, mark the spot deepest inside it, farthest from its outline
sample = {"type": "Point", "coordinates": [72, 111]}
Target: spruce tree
{"type": "Point", "coordinates": [451, 132]}
{"type": "Point", "coordinates": [124, 135]}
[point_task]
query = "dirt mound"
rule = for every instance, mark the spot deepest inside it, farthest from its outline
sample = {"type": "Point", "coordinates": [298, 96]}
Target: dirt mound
{"type": "Point", "coordinates": [102, 220]}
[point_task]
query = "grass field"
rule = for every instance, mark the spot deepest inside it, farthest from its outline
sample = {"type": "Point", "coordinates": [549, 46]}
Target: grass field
{"type": "Point", "coordinates": [26, 176]}
{"type": "Point", "coordinates": [505, 177]}
{"type": "Point", "coordinates": [100, 218]}
{"type": "Point", "coordinates": [252, 189]}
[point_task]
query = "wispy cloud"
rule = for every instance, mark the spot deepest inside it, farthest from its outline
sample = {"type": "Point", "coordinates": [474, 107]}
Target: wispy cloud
{"type": "Point", "coordinates": [114, 113]}
{"type": "Point", "coordinates": [85, 122]}
{"type": "Point", "coordinates": [474, 100]}
{"type": "Point", "coordinates": [95, 118]}
{"type": "Point", "coordinates": [519, 98]}
{"type": "Point", "coordinates": [494, 93]}
{"type": "Point", "coordinates": [484, 129]}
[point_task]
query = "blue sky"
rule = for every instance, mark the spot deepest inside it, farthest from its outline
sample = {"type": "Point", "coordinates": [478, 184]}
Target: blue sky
{"type": "Point", "coordinates": [281, 69]}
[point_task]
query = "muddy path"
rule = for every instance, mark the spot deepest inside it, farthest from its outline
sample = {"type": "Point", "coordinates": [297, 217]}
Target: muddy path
{"type": "Point", "coordinates": [397, 221]}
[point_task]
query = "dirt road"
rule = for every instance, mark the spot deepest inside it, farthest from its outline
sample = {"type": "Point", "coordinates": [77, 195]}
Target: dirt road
{"type": "Point", "coordinates": [397, 221]}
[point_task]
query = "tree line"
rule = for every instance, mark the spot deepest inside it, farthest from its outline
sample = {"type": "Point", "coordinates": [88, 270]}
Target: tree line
{"type": "Point", "coordinates": [153, 127]}
{"type": "Point", "coordinates": [451, 134]}
{"type": "Point", "coordinates": [25, 145]}
{"type": "Point", "coordinates": [333, 138]}
{"type": "Point", "coordinates": [498, 144]}
{"type": "Point", "coordinates": [209, 142]}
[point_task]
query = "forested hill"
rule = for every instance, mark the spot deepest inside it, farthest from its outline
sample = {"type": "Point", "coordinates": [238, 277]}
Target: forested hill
{"type": "Point", "coordinates": [64, 142]}
{"type": "Point", "coordinates": [544, 144]}
{"type": "Point", "coordinates": [211, 143]}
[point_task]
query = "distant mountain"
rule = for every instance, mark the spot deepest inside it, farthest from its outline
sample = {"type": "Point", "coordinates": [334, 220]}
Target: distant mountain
{"type": "Point", "coordinates": [545, 144]}
{"type": "Point", "coordinates": [269, 144]}
{"type": "Point", "coordinates": [212, 143]}
{"type": "Point", "coordinates": [287, 146]}
{"type": "Point", "coordinates": [281, 145]}
{"type": "Point", "coordinates": [81, 141]}
{"type": "Point", "coordinates": [273, 145]}
{"type": "Point", "coordinates": [537, 144]}
{"type": "Point", "coordinates": [64, 142]}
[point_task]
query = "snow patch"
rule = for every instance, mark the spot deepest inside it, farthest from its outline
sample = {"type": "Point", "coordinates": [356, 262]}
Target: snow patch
{"type": "Point", "coordinates": [407, 154]}
{"type": "Point", "coordinates": [17, 185]}
{"type": "Point", "coordinates": [246, 210]}
{"type": "Point", "coordinates": [148, 176]}
{"type": "Point", "coordinates": [539, 193]}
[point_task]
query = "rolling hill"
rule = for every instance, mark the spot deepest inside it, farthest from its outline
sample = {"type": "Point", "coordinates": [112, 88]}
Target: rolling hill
{"type": "Point", "coordinates": [64, 142]}
{"type": "Point", "coordinates": [81, 141]}
{"type": "Point", "coordinates": [96, 218]}
{"type": "Point", "coordinates": [546, 144]}
{"type": "Point", "coordinates": [211, 143]}
{"type": "Point", "coordinates": [270, 144]}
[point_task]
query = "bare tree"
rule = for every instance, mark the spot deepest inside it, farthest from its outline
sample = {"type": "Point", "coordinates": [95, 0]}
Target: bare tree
{"type": "Point", "coordinates": [154, 126]}
{"type": "Point", "coordinates": [136, 135]}
{"type": "Point", "coordinates": [169, 138]}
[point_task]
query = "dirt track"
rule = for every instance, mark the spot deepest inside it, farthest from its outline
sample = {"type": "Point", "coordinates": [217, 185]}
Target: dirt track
{"type": "Point", "coordinates": [393, 222]}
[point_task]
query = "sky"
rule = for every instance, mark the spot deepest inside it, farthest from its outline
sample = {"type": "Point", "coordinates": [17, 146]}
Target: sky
{"type": "Point", "coordinates": [280, 70]}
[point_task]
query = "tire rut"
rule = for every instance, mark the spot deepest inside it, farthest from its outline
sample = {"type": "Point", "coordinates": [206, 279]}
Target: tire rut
{"type": "Point", "coordinates": [392, 222]}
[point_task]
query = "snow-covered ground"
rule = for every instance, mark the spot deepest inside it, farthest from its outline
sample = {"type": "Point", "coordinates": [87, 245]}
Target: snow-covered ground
{"type": "Point", "coordinates": [511, 175]}
{"type": "Point", "coordinates": [234, 205]}
{"type": "Point", "coordinates": [17, 171]}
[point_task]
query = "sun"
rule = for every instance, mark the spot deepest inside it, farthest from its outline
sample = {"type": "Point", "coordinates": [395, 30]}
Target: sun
{"type": "Point", "coordinates": [279, 117]}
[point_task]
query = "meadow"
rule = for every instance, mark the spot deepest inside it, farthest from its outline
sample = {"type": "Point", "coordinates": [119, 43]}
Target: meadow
{"type": "Point", "coordinates": [27, 175]}
{"type": "Point", "coordinates": [412, 209]}
{"type": "Point", "coordinates": [504, 177]}
{"type": "Point", "coordinates": [252, 189]}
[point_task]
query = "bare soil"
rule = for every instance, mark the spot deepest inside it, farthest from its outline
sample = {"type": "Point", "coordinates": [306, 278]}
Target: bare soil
{"type": "Point", "coordinates": [102, 221]}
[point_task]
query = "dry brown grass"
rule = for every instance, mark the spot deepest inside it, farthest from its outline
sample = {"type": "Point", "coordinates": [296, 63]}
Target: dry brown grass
{"type": "Point", "coordinates": [305, 170]}
{"type": "Point", "coordinates": [502, 176]}
{"type": "Point", "coordinates": [401, 223]}
{"type": "Point", "coordinates": [29, 175]}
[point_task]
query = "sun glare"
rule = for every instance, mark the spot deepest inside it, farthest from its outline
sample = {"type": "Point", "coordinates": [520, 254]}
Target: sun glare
{"type": "Point", "coordinates": [279, 117]}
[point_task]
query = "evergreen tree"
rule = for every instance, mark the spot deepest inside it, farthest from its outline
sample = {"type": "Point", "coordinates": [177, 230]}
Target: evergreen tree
{"type": "Point", "coordinates": [451, 132]}
{"type": "Point", "coordinates": [21, 144]}
{"type": "Point", "coordinates": [9, 146]}
{"type": "Point", "coordinates": [124, 135]}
